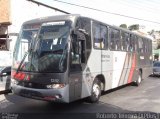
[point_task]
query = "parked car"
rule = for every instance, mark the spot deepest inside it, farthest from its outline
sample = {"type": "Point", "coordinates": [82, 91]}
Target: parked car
{"type": "Point", "coordinates": [156, 68]}
{"type": "Point", "coordinates": [5, 79]}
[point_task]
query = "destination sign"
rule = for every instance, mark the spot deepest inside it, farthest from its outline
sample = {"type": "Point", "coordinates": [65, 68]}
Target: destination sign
{"type": "Point", "coordinates": [54, 23]}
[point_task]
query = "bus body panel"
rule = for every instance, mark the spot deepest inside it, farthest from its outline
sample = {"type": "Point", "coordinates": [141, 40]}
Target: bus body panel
{"type": "Point", "coordinates": [75, 86]}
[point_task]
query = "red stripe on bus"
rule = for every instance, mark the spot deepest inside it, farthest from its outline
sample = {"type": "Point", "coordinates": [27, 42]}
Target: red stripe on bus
{"type": "Point", "coordinates": [132, 69]}
{"type": "Point", "coordinates": [124, 63]}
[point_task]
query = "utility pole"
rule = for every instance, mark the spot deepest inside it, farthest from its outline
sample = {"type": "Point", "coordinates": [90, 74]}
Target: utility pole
{"type": "Point", "coordinates": [39, 3]}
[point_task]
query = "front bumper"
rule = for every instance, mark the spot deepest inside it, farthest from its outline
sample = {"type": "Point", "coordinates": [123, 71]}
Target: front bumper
{"type": "Point", "coordinates": [54, 95]}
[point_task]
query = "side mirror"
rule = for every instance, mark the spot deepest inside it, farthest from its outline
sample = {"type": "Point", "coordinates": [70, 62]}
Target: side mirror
{"type": "Point", "coordinates": [83, 31]}
{"type": "Point", "coordinates": [4, 74]}
{"type": "Point", "coordinates": [80, 34]}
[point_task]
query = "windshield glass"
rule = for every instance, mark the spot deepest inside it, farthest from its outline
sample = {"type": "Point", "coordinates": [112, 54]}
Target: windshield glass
{"type": "Point", "coordinates": [1, 68]}
{"type": "Point", "coordinates": [45, 52]}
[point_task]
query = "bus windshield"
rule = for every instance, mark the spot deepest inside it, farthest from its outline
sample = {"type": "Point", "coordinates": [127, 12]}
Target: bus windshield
{"type": "Point", "coordinates": [43, 50]}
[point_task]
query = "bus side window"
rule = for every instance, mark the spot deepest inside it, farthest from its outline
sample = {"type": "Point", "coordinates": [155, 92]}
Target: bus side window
{"type": "Point", "coordinates": [145, 45]}
{"type": "Point", "coordinates": [104, 39]}
{"type": "Point", "coordinates": [96, 35]}
{"type": "Point", "coordinates": [111, 36]}
{"type": "Point", "coordinates": [123, 47]}
{"type": "Point", "coordinates": [117, 40]}
{"type": "Point", "coordinates": [132, 43]}
{"type": "Point", "coordinates": [128, 42]}
{"type": "Point", "coordinates": [125, 41]}
{"type": "Point", "coordinates": [100, 36]}
{"type": "Point", "coordinates": [148, 45]}
{"type": "Point", "coordinates": [136, 43]}
{"type": "Point", "coordinates": [114, 36]}
{"type": "Point", "coordinates": [140, 45]}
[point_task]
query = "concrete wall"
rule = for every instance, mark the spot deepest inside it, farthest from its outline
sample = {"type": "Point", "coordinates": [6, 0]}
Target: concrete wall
{"type": "Point", "coordinates": [5, 12]}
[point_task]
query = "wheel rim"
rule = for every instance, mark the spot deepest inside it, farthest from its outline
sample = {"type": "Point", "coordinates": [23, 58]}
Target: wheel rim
{"type": "Point", "coordinates": [96, 90]}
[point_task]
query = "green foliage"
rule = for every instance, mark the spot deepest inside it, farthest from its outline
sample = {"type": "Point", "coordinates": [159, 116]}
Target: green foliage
{"type": "Point", "coordinates": [123, 26]}
{"type": "Point", "coordinates": [134, 27]}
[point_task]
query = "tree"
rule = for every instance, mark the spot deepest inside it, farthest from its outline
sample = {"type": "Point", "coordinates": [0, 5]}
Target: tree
{"type": "Point", "coordinates": [123, 26]}
{"type": "Point", "coordinates": [134, 27]}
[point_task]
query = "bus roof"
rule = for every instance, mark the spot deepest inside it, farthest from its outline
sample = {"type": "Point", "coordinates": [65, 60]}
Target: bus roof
{"type": "Point", "coordinates": [52, 18]}
{"type": "Point", "coordinates": [72, 17]}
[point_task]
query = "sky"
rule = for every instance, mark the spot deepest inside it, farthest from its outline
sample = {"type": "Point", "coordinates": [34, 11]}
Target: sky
{"type": "Point", "coordinates": [142, 9]}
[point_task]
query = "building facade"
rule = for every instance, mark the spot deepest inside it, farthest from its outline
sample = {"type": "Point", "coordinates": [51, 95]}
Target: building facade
{"type": "Point", "coordinates": [12, 14]}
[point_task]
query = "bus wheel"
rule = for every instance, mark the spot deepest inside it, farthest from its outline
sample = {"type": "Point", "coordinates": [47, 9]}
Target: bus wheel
{"type": "Point", "coordinates": [96, 91]}
{"type": "Point", "coordinates": [139, 80]}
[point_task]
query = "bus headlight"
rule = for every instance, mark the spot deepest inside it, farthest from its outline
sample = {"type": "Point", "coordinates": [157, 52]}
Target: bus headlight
{"type": "Point", "coordinates": [13, 81]}
{"type": "Point", "coordinates": [56, 86]}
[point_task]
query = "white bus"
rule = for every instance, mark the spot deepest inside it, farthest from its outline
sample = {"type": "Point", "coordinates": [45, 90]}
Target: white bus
{"type": "Point", "coordinates": [71, 57]}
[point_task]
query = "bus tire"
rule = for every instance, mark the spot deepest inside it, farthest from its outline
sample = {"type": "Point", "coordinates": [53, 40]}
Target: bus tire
{"type": "Point", "coordinates": [139, 80]}
{"type": "Point", "coordinates": [96, 91]}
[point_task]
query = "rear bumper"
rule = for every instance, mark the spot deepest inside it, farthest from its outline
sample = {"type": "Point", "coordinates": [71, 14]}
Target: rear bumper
{"type": "Point", "coordinates": [53, 95]}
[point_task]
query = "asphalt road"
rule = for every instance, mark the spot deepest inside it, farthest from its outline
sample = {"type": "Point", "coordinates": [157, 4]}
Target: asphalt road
{"type": "Point", "coordinates": [143, 101]}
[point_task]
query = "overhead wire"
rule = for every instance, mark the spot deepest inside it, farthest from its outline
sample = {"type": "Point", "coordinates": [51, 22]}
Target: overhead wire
{"type": "Point", "coordinates": [136, 5]}
{"type": "Point", "coordinates": [147, 7]}
{"type": "Point", "coordinates": [113, 13]}
{"type": "Point", "coordinates": [45, 5]}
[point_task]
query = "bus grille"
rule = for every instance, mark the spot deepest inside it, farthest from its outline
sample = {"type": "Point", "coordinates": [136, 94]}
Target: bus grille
{"type": "Point", "coordinates": [29, 93]}
{"type": "Point", "coordinates": [32, 85]}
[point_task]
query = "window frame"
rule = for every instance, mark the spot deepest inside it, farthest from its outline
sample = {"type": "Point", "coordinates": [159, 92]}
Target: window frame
{"type": "Point", "coordinates": [140, 49]}
{"type": "Point", "coordinates": [117, 36]}
{"type": "Point", "coordinates": [125, 41]}
{"type": "Point", "coordinates": [105, 42]}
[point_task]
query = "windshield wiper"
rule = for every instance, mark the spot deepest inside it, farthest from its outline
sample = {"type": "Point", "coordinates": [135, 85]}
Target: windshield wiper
{"type": "Point", "coordinates": [25, 55]}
